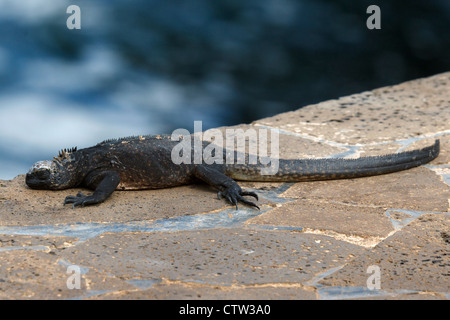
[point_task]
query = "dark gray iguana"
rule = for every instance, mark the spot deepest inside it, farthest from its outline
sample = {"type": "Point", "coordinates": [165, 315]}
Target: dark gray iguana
{"type": "Point", "coordinates": [145, 162]}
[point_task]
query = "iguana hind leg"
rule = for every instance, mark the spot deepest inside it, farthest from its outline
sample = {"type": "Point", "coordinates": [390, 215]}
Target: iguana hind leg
{"type": "Point", "coordinates": [228, 188]}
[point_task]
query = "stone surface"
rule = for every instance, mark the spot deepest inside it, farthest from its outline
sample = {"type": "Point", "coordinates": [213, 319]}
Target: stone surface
{"type": "Point", "coordinates": [222, 256]}
{"type": "Point", "coordinates": [30, 274]}
{"type": "Point", "coordinates": [400, 112]}
{"type": "Point", "coordinates": [415, 258]}
{"type": "Point", "coordinates": [194, 291]}
{"type": "Point", "coordinates": [21, 206]}
{"type": "Point", "coordinates": [311, 240]}
{"type": "Point", "coordinates": [360, 221]}
{"type": "Point", "coordinates": [290, 146]}
{"type": "Point", "coordinates": [444, 155]}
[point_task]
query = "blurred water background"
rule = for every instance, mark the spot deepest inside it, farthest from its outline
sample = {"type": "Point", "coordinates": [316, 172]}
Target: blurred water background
{"type": "Point", "coordinates": [147, 67]}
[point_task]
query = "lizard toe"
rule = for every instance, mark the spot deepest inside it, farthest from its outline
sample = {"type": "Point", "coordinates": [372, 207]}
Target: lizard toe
{"type": "Point", "coordinates": [79, 200]}
{"type": "Point", "coordinates": [235, 195]}
{"type": "Point", "coordinates": [249, 193]}
{"type": "Point", "coordinates": [249, 203]}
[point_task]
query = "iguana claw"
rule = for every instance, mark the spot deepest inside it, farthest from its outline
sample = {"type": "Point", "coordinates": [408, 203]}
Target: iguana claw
{"type": "Point", "coordinates": [235, 194]}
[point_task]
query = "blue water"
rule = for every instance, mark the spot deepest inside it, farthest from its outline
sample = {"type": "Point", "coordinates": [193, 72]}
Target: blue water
{"type": "Point", "coordinates": [146, 67]}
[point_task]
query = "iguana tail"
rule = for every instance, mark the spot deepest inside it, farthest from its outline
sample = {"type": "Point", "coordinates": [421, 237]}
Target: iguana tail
{"type": "Point", "coordinates": [329, 168]}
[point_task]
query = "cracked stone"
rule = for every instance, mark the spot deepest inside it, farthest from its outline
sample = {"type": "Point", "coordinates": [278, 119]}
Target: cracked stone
{"type": "Point", "coordinates": [414, 258]}
{"type": "Point", "coordinates": [313, 214]}
{"type": "Point", "coordinates": [219, 256]}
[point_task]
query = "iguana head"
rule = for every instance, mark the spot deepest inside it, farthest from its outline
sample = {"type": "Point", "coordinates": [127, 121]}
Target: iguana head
{"type": "Point", "coordinates": [59, 173]}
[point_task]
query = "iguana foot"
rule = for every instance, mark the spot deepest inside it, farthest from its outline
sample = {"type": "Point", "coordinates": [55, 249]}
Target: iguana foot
{"type": "Point", "coordinates": [234, 194]}
{"type": "Point", "coordinates": [79, 200]}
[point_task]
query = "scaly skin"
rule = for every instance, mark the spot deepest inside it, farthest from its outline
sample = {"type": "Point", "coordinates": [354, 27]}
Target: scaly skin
{"type": "Point", "coordinates": [145, 162]}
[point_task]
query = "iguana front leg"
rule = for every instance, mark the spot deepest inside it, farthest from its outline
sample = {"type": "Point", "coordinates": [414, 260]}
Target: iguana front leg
{"type": "Point", "coordinates": [228, 188]}
{"type": "Point", "coordinates": [104, 183]}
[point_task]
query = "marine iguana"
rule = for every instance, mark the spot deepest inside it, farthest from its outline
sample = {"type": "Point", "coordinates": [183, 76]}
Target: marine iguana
{"type": "Point", "coordinates": [144, 162]}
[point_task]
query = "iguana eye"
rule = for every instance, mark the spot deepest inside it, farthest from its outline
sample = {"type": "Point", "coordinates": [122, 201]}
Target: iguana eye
{"type": "Point", "coordinates": [43, 174]}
